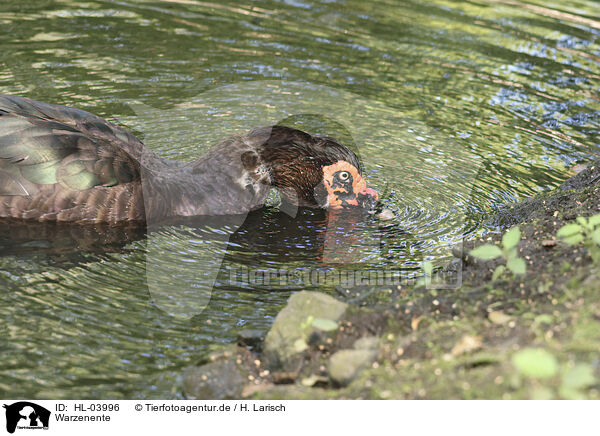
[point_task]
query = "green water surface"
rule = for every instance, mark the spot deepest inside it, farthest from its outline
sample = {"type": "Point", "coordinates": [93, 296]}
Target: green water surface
{"type": "Point", "coordinates": [455, 108]}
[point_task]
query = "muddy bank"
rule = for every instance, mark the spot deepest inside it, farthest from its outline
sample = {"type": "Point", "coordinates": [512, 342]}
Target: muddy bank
{"type": "Point", "coordinates": [532, 335]}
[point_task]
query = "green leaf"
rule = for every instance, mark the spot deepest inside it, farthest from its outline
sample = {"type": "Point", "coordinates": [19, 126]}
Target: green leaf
{"type": "Point", "coordinates": [573, 239]}
{"type": "Point", "coordinates": [535, 363]}
{"type": "Point", "coordinates": [486, 252]}
{"type": "Point", "coordinates": [511, 238]}
{"type": "Point", "coordinates": [579, 377]}
{"type": "Point", "coordinates": [582, 221]}
{"type": "Point", "coordinates": [516, 265]}
{"type": "Point", "coordinates": [542, 393]}
{"type": "Point", "coordinates": [427, 267]}
{"type": "Point", "coordinates": [324, 324]}
{"type": "Point", "coordinates": [595, 253]}
{"type": "Point", "coordinates": [498, 272]}
{"type": "Point", "coordinates": [596, 236]}
{"type": "Point", "coordinates": [307, 323]}
{"type": "Point", "coordinates": [594, 220]}
{"type": "Point", "coordinates": [300, 345]}
{"type": "Point", "coordinates": [567, 393]}
{"type": "Point", "coordinates": [568, 230]}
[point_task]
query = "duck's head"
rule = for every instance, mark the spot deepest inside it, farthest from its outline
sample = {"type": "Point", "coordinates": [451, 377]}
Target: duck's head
{"type": "Point", "coordinates": [345, 187]}
{"type": "Point", "coordinates": [315, 171]}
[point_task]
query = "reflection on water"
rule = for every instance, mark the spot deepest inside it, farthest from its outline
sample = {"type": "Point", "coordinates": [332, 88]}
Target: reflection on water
{"type": "Point", "coordinates": [454, 108]}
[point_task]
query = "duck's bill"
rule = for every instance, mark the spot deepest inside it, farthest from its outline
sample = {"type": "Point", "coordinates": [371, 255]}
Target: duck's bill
{"type": "Point", "coordinates": [366, 198]}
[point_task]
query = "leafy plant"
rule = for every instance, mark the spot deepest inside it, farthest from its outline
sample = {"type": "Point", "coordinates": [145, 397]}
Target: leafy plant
{"type": "Point", "coordinates": [507, 251]}
{"type": "Point", "coordinates": [427, 267]}
{"type": "Point", "coordinates": [535, 363]}
{"type": "Point", "coordinates": [311, 323]}
{"type": "Point", "coordinates": [539, 364]}
{"type": "Point", "coordinates": [586, 230]}
{"type": "Point", "coordinates": [576, 380]}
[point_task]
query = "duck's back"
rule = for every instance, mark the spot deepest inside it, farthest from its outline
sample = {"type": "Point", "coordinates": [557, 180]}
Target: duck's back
{"type": "Point", "coordinates": [64, 164]}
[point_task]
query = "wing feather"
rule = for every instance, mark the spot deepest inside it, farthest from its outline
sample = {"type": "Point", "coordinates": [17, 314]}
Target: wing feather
{"type": "Point", "coordinates": [56, 158]}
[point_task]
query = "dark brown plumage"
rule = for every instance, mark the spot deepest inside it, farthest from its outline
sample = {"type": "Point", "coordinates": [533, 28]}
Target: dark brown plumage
{"type": "Point", "coordinates": [64, 164]}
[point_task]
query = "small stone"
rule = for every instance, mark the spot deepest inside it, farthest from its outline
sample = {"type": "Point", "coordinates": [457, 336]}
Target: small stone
{"type": "Point", "coordinates": [466, 344]}
{"type": "Point", "coordinates": [220, 380]}
{"type": "Point", "coordinates": [345, 365]}
{"type": "Point", "coordinates": [414, 323]}
{"type": "Point", "coordinates": [312, 380]}
{"type": "Point", "coordinates": [385, 215]}
{"type": "Point", "coordinates": [367, 343]}
{"type": "Point", "coordinates": [283, 378]}
{"type": "Point", "coordinates": [499, 317]}
{"type": "Point", "coordinates": [548, 243]}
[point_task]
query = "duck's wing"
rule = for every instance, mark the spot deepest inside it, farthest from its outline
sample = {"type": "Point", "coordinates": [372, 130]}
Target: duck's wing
{"type": "Point", "coordinates": [64, 164]}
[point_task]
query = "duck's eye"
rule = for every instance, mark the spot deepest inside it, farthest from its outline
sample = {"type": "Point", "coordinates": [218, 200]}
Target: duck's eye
{"type": "Point", "coordinates": [344, 175]}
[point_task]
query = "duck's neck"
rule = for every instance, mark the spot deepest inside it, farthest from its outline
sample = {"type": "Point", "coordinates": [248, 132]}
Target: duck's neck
{"type": "Point", "coordinates": [199, 188]}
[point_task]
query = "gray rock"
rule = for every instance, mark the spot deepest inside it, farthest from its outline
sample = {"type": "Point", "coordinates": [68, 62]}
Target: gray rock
{"type": "Point", "coordinates": [221, 380]}
{"type": "Point", "coordinates": [345, 365]}
{"type": "Point", "coordinates": [367, 343]}
{"type": "Point", "coordinates": [279, 350]}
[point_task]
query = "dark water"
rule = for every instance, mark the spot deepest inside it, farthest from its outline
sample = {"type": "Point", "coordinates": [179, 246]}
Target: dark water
{"type": "Point", "coordinates": [455, 108]}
